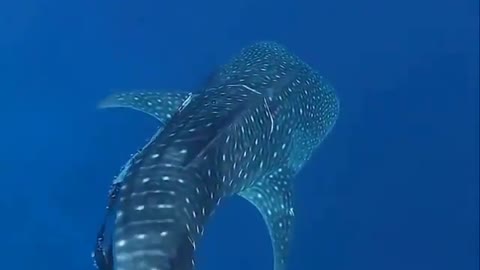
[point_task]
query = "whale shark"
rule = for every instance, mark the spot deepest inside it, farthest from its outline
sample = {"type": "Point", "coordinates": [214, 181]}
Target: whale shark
{"type": "Point", "coordinates": [247, 133]}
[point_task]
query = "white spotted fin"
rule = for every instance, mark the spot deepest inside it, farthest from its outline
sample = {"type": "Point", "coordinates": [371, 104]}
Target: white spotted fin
{"type": "Point", "coordinates": [272, 196]}
{"type": "Point", "coordinates": [161, 105]}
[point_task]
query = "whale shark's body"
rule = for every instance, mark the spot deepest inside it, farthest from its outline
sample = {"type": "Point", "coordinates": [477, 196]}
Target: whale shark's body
{"type": "Point", "coordinates": [248, 132]}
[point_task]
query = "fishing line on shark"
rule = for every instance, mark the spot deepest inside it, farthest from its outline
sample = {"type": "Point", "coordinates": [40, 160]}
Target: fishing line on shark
{"type": "Point", "coordinates": [103, 258]}
{"type": "Point", "coordinates": [249, 132]}
{"type": "Point", "coordinates": [267, 108]}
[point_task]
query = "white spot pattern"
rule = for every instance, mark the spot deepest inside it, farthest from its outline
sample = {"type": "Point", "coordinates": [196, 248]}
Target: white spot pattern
{"type": "Point", "coordinates": [267, 110]}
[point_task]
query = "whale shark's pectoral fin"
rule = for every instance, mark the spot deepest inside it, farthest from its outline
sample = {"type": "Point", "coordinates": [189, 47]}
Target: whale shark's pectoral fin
{"type": "Point", "coordinates": [273, 198]}
{"type": "Point", "coordinates": [161, 105]}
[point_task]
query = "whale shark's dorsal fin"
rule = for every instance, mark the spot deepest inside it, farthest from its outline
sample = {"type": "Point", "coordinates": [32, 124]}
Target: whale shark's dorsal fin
{"type": "Point", "coordinates": [161, 105]}
{"type": "Point", "coordinates": [272, 196]}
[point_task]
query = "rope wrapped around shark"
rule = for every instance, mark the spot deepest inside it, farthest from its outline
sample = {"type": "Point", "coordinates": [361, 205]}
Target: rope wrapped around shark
{"type": "Point", "coordinates": [103, 257]}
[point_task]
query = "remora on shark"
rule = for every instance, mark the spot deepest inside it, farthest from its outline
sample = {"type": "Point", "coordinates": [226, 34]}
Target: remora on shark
{"type": "Point", "coordinates": [247, 133]}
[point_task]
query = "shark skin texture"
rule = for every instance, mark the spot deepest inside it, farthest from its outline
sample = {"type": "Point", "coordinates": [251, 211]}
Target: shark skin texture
{"type": "Point", "coordinates": [247, 133]}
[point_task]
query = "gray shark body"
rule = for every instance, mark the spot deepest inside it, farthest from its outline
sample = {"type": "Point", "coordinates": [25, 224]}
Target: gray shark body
{"type": "Point", "coordinates": [248, 133]}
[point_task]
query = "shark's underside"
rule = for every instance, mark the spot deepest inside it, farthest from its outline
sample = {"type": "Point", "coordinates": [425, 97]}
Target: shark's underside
{"type": "Point", "coordinates": [248, 132]}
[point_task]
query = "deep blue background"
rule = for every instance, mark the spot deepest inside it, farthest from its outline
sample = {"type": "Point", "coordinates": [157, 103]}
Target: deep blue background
{"type": "Point", "coordinates": [395, 185]}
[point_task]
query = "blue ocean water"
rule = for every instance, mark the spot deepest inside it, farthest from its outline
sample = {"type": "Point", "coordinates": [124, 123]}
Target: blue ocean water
{"type": "Point", "coordinates": [394, 186]}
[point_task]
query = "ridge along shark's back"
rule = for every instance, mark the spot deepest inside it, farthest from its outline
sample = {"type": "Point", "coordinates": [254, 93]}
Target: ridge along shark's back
{"type": "Point", "coordinates": [248, 132]}
{"type": "Point", "coordinates": [265, 75]}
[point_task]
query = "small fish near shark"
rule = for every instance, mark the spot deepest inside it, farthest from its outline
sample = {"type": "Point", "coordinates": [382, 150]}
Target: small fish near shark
{"type": "Point", "coordinates": [247, 133]}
